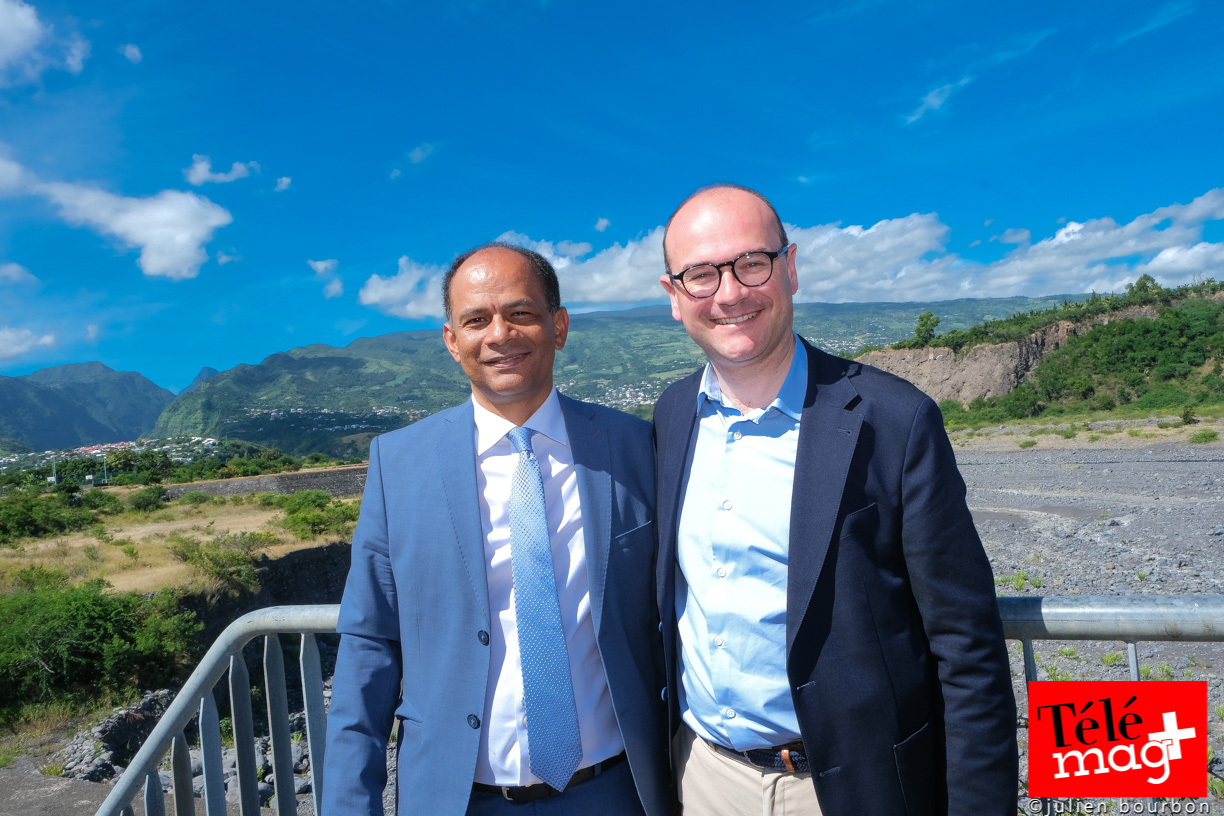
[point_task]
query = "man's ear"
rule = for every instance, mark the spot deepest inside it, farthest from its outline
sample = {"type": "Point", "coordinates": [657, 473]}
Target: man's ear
{"type": "Point", "coordinates": [560, 326]}
{"type": "Point", "coordinates": [448, 337]}
{"type": "Point", "coordinates": [670, 288]}
{"type": "Point", "coordinates": [792, 270]}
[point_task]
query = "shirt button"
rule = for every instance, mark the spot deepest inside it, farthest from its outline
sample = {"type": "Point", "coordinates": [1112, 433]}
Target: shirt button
{"type": "Point", "coordinates": [737, 435]}
{"type": "Point", "coordinates": [726, 505]}
{"type": "Point", "coordinates": [524, 720]}
{"type": "Point", "coordinates": [718, 641]}
{"type": "Point", "coordinates": [722, 572]}
{"type": "Point", "coordinates": [483, 637]}
{"type": "Point", "coordinates": [473, 721]}
{"type": "Point", "coordinates": [730, 713]}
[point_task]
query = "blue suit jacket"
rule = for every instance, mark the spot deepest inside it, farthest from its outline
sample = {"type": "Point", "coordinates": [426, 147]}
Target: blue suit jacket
{"type": "Point", "coordinates": [416, 606]}
{"type": "Point", "coordinates": [894, 648]}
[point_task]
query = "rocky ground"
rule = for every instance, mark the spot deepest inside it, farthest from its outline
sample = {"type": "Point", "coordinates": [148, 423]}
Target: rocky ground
{"type": "Point", "coordinates": [1104, 512]}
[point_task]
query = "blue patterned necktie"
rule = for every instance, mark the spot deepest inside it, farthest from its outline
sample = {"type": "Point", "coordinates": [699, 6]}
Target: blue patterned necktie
{"type": "Point", "coordinates": [553, 740]}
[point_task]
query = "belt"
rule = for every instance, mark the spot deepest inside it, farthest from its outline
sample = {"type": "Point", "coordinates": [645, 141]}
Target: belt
{"type": "Point", "coordinates": [791, 758]}
{"type": "Point", "coordinates": [529, 793]}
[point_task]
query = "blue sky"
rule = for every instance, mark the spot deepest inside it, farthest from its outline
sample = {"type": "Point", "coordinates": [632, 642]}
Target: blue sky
{"type": "Point", "coordinates": [206, 184]}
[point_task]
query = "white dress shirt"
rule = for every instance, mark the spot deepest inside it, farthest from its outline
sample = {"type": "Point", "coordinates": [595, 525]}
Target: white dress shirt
{"type": "Point", "coordinates": [503, 758]}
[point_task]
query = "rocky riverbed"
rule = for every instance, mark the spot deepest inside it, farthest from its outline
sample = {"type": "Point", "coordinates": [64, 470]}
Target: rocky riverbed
{"type": "Point", "coordinates": [1105, 512]}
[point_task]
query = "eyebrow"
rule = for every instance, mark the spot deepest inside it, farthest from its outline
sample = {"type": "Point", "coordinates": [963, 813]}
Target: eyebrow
{"type": "Point", "coordinates": [470, 313]}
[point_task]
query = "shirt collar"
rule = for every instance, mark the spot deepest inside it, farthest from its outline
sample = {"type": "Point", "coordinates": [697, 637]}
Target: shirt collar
{"type": "Point", "coordinates": [790, 396]}
{"type": "Point", "coordinates": [547, 420]}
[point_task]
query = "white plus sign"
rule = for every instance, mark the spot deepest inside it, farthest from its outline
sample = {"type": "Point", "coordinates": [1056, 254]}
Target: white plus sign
{"type": "Point", "coordinates": [1172, 735]}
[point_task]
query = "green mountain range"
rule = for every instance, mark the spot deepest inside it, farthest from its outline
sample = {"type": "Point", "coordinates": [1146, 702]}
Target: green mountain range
{"type": "Point", "coordinates": [334, 399]}
{"type": "Point", "coordinates": [79, 404]}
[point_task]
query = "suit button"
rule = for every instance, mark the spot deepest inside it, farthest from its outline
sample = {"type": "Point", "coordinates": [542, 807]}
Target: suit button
{"type": "Point", "coordinates": [660, 626]}
{"type": "Point", "coordinates": [663, 693]}
{"type": "Point", "coordinates": [483, 637]}
{"type": "Point", "coordinates": [473, 721]}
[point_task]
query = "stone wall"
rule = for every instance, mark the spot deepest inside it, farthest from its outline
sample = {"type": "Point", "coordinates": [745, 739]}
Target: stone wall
{"type": "Point", "coordinates": [342, 481]}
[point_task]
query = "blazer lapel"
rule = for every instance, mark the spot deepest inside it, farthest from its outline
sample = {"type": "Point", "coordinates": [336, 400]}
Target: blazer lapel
{"type": "Point", "coordinates": [828, 434]}
{"type": "Point", "coordinates": [674, 447]}
{"type": "Point", "coordinates": [593, 467]}
{"type": "Point", "coordinates": [455, 448]}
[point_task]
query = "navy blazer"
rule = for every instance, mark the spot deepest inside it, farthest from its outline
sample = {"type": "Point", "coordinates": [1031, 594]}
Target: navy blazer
{"type": "Point", "coordinates": [894, 648]}
{"type": "Point", "coordinates": [416, 607]}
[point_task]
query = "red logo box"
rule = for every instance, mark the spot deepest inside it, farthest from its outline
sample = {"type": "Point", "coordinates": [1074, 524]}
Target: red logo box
{"type": "Point", "coordinates": [1111, 738]}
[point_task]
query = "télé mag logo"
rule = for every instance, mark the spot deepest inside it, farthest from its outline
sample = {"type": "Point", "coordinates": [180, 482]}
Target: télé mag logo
{"type": "Point", "coordinates": [1117, 738]}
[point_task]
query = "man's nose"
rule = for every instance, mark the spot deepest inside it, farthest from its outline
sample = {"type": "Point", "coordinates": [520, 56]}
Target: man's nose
{"type": "Point", "coordinates": [730, 290]}
{"type": "Point", "coordinates": [499, 329]}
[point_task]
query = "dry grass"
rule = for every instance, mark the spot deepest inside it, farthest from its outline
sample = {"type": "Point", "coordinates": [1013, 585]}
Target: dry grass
{"type": "Point", "coordinates": [132, 554]}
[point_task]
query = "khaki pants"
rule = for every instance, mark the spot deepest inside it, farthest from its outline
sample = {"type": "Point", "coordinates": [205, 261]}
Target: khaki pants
{"type": "Point", "coordinates": [711, 783]}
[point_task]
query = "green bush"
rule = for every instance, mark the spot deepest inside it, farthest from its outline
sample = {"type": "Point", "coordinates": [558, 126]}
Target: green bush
{"type": "Point", "coordinates": [148, 500]}
{"type": "Point", "coordinates": [1205, 435]}
{"type": "Point", "coordinates": [70, 643]}
{"type": "Point", "coordinates": [228, 558]}
{"type": "Point", "coordinates": [26, 514]}
{"type": "Point", "coordinates": [307, 519]}
{"type": "Point", "coordinates": [101, 501]}
{"type": "Point", "coordinates": [195, 497]}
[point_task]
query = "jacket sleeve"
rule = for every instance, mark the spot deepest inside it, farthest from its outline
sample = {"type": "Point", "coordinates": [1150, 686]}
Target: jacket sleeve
{"type": "Point", "coordinates": [366, 684]}
{"type": "Point", "coordinates": [953, 586]}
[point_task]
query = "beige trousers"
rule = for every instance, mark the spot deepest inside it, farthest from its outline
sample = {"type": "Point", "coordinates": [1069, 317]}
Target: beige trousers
{"type": "Point", "coordinates": [711, 783]}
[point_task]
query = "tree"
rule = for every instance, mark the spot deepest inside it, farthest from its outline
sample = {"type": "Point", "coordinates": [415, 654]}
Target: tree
{"type": "Point", "coordinates": [925, 332]}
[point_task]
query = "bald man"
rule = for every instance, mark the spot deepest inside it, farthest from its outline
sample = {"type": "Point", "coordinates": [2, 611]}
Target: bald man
{"type": "Point", "coordinates": [832, 639]}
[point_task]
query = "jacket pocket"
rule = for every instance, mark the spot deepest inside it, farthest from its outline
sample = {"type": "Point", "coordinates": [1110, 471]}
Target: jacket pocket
{"type": "Point", "coordinates": [916, 769]}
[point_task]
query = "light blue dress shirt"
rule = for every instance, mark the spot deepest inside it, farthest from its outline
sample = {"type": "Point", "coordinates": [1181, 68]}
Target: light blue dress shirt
{"type": "Point", "coordinates": [732, 552]}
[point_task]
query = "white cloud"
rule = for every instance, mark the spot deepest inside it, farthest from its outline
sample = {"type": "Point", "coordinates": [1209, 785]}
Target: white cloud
{"type": "Point", "coordinates": [132, 53]}
{"type": "Point", "coordinates": [1165, 14]}
{"type": "Point", "coordinates": [420, 153]}
{"type": "Point", "coordinates": [28, 46]}
{"type": "Point", "coordinates": [224, 257]}
{"type": "Point", "coordinates": [15, 273]}
{"type": "Point", "coordinates": [170, 228]}
{"type": "Point", "coordinates": [396, 173]}
{"type": "Point", "coordinates": [602, 224]}
{"type": "Point", "coordinates": [413, 292]}
{"type": "Point", "coordinates": [935, 100]}
{"type": "Point", "coordinates": [1012, 235]}
{"type": "Point", "coordinates": [282, 184]}
{"type": "Point", "coordinates": [896, 259]}
{"type": "Point", "coordinates": [201, 171]}
{"type": "Point", "coordinates": [17, 342]}
{"type": "Point", "coordinates": [975, 242]}
{"type": "Point", "coordinates": [334, 288]}
{"type": "Point", "coordinates": [91, 331]}
{"type": "Point", "coordinates": [322, 268]}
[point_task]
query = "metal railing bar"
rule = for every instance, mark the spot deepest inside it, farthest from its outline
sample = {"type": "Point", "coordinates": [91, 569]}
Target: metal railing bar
{"type": "Point", "coordinates": [244, 737]}
{"type": "Point", "coordinates": [126, 810]}
{"type": "Point", "coordinates": [278, 726]}
{"type": "Point", "coordinates": [316, 717]}
{"type": "Point", "coordinates": [210, 754]}
{"type": "Point", "coordinates": [180, 774]}
{"type": "Point", "coordinates": [206, 675]}
{"type": "Point", "coordinates": [1114, 617]}
{"type": "Point", "coordinates": [154, 799]}
{"type": "Point", "coordinates": [1030, 660]}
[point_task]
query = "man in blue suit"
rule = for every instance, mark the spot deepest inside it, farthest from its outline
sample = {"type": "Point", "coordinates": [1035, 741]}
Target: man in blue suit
{"type": "Point", "coordinates": [832, 636]}
{"type": "Point", "coordinates": [500, 601]}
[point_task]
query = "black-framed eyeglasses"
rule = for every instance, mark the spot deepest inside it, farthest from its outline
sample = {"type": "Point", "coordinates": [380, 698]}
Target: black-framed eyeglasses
{"type": "Point", "coordinates": [750, 269]}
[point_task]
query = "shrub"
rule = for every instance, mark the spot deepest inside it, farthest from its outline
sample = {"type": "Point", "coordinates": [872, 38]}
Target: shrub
{"type": "Point", "coordinates": [147, 500]}
{"type": "Point", "coordinates": [63, 642]}
{"type": "Point", "coordinates": [24, 513]}
{"type": "Point", "coordinates": [195, 497]}
{"type": "Point", "coordinates": [1027, 443]}
{"type": "Point", "coordinates": [228, 558]}
{"type": "Point", "coordinates": [1205, 435]}
{"type": "Point", "coordinates": [101, 501]}
{"type": "Point", "coordinates": [307, 519]}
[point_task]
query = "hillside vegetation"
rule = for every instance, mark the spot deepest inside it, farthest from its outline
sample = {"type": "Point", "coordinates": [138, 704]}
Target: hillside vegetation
{"type": "Point", "coordinates": [1174, 363]}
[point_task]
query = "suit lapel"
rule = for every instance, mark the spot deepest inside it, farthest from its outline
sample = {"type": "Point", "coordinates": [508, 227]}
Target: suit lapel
{"type": "Point", "coordinates": [828, 434]}
{"type": "Point", "coordinates": [455, 448]}
{"type": "Point", "coordinates": [593, 468]}
{"type": "Point", "coordinates": [674, 447]}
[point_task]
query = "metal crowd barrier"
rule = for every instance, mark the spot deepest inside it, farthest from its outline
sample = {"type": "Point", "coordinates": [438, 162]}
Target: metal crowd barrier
{"type": "Point", "coordinates": [1132, 619]}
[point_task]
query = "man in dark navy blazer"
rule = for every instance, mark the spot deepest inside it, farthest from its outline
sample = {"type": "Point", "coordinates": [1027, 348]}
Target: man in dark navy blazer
{"type": "Point", "coordinates": [832, 637]}
{"type": "Point", "coordinates": [433, 608]}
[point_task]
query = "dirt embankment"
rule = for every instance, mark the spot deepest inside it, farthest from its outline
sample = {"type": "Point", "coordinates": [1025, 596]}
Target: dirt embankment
{"type": "Point", "coordinates": [986, 371]}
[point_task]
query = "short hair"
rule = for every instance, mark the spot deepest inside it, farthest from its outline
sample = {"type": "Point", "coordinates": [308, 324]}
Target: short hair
{"type": "Point", "coordinates": [722, 185]}
{"type": "Point", "coordinates": [545, 274]}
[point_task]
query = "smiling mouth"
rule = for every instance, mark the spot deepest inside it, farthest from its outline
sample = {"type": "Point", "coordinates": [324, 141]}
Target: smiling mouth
{"type": "Point", "coordinates": [728, 321]}
{"type": "Point", "coordinates": [507, 361]}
